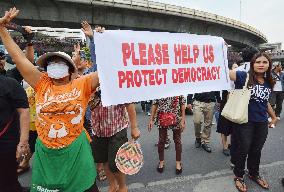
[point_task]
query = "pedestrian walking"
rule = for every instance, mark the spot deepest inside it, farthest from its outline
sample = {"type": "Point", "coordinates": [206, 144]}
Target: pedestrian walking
{"type": "Point", "coordinates": [203, 107]}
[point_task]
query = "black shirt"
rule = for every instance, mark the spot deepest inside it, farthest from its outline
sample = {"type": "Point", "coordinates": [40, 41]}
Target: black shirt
{"type": "Point", "coordinates": [12, 73]}
{"type": "Point", "coordinates": [12, 97]}
{"type": "Point", "coordinates": [206, 97]}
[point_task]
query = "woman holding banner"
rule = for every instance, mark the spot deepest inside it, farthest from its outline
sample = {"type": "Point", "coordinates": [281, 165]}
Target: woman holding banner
{"type": "Point", "coordinates": [170, 115]}
{"type": "Point", "coordinates": [251, 136]}
{"type": "Point", "coordinates": [63, 158]}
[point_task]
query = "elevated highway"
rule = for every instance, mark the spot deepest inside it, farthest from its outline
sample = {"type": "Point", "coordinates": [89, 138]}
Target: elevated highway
{"type": "Point", "coordinates": [133, 14]}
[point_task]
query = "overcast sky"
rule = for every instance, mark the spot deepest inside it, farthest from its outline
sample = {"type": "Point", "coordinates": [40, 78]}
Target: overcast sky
{"type": "Point", "coordinates": [267, 16]}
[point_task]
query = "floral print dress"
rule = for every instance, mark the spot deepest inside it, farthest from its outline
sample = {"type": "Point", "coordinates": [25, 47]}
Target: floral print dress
{"type": "Point", "coordinates": [170, 105]}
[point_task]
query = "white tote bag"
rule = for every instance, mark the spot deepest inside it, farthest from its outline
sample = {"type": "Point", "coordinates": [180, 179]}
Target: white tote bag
{"type": "Point", "coordinates": [236, 108]}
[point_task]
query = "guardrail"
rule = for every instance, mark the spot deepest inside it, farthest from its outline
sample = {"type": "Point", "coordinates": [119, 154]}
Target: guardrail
{"type": "Point", "coordinates": [183, 11]}
{"type": "Point", "coordinates": [278, 54]}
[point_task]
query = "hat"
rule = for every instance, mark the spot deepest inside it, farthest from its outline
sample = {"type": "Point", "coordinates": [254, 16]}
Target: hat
{"type": "Point", "coordinates": [42, 60]}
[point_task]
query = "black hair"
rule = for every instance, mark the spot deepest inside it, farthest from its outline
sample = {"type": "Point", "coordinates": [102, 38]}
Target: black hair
{"type": "Point", "coordinates": [267, 75]}
{"type": "Point", "coordinates": [233, 57]}
{"type": "Point", "coordinates": [248, 53]}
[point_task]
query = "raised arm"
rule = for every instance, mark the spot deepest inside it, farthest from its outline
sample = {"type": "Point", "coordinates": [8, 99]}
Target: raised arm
{"type": "Point", "coordinates": [30, 52]}
{"type": "Point", "coordinates": [88, 31]}
{"type": "Point", "coordinates": [26, 68]}
{"type": "Point", "coordinates": [95, 81]}
{"type": "Point", "coordinates": [76, 57]}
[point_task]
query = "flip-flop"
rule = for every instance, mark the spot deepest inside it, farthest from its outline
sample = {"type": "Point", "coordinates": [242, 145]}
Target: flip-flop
{"type": "Point", "coordinates": [242, 182]}
{"type": "Point", "coordinates": [260, 181]}
{"type": "Point", "coordinates": [21, 170]}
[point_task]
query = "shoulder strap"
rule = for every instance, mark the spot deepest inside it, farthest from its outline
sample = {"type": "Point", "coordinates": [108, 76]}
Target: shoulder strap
{"type": "Point", "coordinates": [277, 76]}
{"type": "Point", "coordinates": [246, 83]}
{"type": "Point", "coordinates": [7, 126]}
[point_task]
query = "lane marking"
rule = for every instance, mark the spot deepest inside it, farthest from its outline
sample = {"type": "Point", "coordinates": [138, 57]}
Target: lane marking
{"type": "Point", "coordinates": [224, 172]}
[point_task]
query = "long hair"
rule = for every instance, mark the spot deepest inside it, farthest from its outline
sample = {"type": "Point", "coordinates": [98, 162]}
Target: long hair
{"type": "Point", "coordinates": [267, 75]}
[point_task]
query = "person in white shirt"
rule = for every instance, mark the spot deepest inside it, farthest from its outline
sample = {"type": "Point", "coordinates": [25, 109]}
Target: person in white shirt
{"type": "Point", "coordinates": [277, 95]}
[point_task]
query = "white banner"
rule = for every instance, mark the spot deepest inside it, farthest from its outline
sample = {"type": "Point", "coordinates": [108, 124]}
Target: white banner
{"type": "Point", "coordinates": [136, 66]}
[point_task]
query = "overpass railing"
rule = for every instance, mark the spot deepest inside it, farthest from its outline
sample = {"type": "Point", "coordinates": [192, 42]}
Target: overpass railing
{"type": "Point", "coordinates": [175, 10]}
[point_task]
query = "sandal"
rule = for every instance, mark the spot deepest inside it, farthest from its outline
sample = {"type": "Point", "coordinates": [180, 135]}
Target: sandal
{"type": "Point", "coordinates": [21, 170]}
{"type": "Point", "coordinates": [260, 181]}
{"type": "Point", "coordinates": [102, 175]}
{"type": "Point", "coordinates": [179, 171]}
{"type": "Point", "coordinates": [243, 187]}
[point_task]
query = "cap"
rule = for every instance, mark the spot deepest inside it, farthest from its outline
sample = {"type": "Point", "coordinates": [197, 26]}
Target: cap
{"type": "Point", "coordinates": [42, 60]}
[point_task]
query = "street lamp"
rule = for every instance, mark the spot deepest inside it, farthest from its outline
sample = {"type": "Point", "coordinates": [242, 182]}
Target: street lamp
{"type": "Point", "coordinates": [240, 10]}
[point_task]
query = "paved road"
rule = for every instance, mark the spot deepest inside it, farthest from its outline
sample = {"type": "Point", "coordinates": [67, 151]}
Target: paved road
{"type": "Point", "coordinates": [202, 172]}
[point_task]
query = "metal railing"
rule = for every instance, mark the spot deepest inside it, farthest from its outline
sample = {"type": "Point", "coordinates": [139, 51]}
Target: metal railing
{"type": "Point", "coordinates": [177, 10]}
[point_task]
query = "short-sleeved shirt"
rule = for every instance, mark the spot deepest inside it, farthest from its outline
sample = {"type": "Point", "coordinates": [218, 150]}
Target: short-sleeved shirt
{"type": "Point", "coordinates": [31, 98]}
{"type": "Point", "coordinates": [257, 109]}
{"type": "Point", "coordinates": [107, 121]}
{"type": "Point", "coordinates": [60, 110]}
{"type": "Point", "coordinates": [278, 78]}
{"type": "Point", "coordinates": [12, 97]}
{"type": "Point", "coordinates": [170, 105]}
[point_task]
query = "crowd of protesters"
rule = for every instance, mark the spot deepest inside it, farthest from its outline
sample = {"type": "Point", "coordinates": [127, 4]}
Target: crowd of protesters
{"type": "Point", "coordinates": [48, 44]}
{"type": "Point", "coordinates": [59, 118]}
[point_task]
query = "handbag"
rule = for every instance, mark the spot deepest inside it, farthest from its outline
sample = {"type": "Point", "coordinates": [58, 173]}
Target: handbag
{"type": "Point", "coordinates": [168, 119]}
{"type": "Point", "coordinates": [236, 108]}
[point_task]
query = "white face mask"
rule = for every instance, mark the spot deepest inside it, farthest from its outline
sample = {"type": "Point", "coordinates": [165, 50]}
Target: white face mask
{"type": "Point", "coordinates": [57, 70]}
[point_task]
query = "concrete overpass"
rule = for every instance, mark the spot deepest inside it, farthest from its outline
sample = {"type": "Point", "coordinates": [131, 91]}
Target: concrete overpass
{"type": "Point", "coordinates": [133, 14]}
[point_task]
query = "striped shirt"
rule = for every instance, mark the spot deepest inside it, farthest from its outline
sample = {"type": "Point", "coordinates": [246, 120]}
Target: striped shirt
{"type": "Point", "coordinates": [107, 121]}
